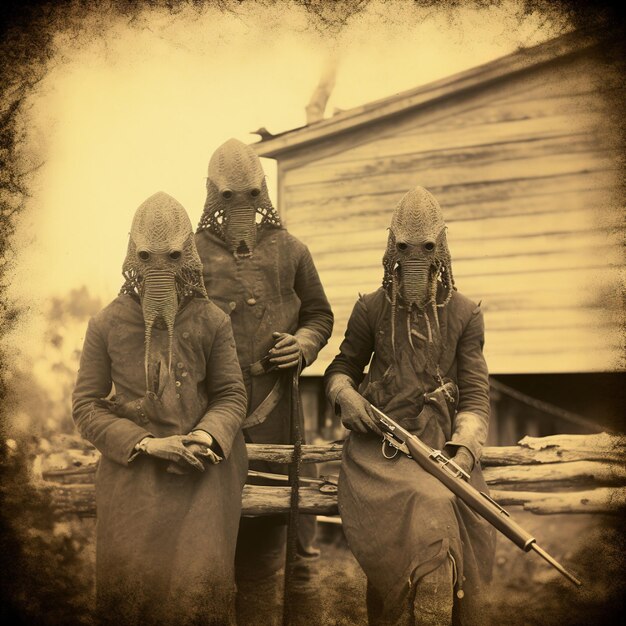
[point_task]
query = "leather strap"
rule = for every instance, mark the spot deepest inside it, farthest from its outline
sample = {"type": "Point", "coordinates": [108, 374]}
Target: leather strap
{"type": "Point", "coordinates": [269, 403]}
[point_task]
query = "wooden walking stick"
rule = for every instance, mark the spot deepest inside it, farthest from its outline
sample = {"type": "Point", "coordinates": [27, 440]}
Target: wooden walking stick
{"type": "Point", "coordinates": [295, 438]}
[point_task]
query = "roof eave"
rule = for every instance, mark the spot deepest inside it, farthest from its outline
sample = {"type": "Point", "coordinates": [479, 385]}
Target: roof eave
{"type": "Point", "coordinates": [451, 86]}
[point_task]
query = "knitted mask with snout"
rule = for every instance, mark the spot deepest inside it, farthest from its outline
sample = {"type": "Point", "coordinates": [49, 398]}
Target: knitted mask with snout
{"type": "Point", "coordinates": [237, 205]}
{"type": "Point", "coordinates": [417, 264]}
{"type": "Point", "coordinates": [162, 266]}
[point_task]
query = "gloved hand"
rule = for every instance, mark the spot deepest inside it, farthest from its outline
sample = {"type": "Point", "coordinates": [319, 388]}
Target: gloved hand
{"type": "Point", "coordinates": [198, 442]}
{"type": "Point", "coordinates": [463, 458]}
{"type": "Point", "coordinates": [286, 351]}
{"type": "Point", "coordinates": [171, 449]}
{"type": "Point", "coordinates": [356, 411]}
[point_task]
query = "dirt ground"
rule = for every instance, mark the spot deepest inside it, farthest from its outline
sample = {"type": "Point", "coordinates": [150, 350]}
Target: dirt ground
{"type": "Point", "coordinates": [525, 590]}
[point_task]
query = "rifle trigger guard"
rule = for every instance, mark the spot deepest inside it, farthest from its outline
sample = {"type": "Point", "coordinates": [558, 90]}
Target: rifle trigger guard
{"type": "Point", "coordinates": [395, 450]}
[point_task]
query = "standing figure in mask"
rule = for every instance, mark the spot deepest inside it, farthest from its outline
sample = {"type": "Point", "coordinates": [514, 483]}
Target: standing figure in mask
{"type": "Point", "coordinates": [265, 279]}
{"type": "Point", "coordinates": [424, 552]}
{"type": "Point", "coordinates": [173, 465]}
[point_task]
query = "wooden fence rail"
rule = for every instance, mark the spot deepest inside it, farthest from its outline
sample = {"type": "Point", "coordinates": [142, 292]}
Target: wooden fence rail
{"type": "Point", "coordinates": [557, 474]}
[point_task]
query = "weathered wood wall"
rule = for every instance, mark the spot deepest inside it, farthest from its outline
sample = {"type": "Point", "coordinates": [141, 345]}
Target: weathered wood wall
{"type": "Point", "coordinates": [526, 172]}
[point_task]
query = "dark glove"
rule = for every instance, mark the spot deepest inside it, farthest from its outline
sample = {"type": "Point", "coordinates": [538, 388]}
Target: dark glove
{"type": "Point", "coordinates": [171, 449]}
{"type": "Point", "coordinates": [199, 443]}
{"type": "Point", "coordinates": [286, 352]}
{"type": "Point", "coordinates": [356, 411]}
{"type": "Point", "coordinates": [464, 459]}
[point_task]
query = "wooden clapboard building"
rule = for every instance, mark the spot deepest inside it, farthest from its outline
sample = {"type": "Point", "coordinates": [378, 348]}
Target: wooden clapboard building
{"type": "Point", "coordinates": [522, 154]}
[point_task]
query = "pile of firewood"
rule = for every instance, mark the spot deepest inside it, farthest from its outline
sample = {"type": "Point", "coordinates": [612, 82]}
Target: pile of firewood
{"type": "Point", "coordinates": [557, 474]}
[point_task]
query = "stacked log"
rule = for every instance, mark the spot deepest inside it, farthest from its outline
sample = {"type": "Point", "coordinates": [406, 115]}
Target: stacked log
{"type": "Point", "coordinates": [545, 475]}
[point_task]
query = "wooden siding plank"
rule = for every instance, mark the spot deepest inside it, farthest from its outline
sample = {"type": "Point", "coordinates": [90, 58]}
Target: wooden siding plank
{"type": "Point", "coordinates": [522, 361]}
{"type": "Point", "coordinates": [513, 123]}
{"type": "Point", "coordinates": [552, 165]}
{"type": "Point", "coordinates": [460, 160]}
{"type": "Point", "coordinates": [490, 265]}
{"type": "Point", "coordinates": [459, 202]}
{"type": "Point", "coordinates": [572, 287]}
{"type": "Point", "coordinates": [375, 241]}
{"type": "Point", "coordinates": [558, 317]}
{"type": "Point", "coordinates": [553, 223]}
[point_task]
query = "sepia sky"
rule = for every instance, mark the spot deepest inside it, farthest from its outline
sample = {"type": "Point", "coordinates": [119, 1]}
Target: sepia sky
{"type": "Point", "coordinates": [134, 108]}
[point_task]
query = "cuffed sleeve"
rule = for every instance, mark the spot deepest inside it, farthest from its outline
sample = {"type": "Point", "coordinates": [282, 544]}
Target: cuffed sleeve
{"type": "Point", "coordinates": [355, 352]}
{"type": "Point", "coordinates": [472, 419]}
{"type": "Point", "coordinates": [115, 437]}
{"type": "Point", "coordinates": [315, 320]}
{"type": "Point", "coordinates": [226, 391]}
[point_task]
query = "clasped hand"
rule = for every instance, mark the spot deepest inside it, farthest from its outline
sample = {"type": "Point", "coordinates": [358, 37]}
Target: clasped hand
{"type": "Point", "coordinates": [174, 449]}
{"type": "Point", "coordinates": [160, 405]}
{"type": "Point", "coordinates": [199, 444]}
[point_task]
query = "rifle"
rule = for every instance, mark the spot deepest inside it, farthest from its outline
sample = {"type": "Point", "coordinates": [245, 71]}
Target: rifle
{"type": "Point", "coordinates": [447, 472]}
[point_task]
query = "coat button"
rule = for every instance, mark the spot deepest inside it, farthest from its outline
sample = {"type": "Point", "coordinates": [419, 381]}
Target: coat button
{"type": "Point", "coordinates": [178, 383]}
{"type": "Point", "coordinates": [180, 365]}
{"type": "Point", "coordinates": [232, 305]}
{"type": "Point", "coordinates": [185, 335]}
{"type": "Point", "coordinates": [251, 301]}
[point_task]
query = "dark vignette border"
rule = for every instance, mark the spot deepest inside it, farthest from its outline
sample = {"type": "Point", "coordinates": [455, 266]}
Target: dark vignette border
{"type": "Point", "coordinates": [27, 29]}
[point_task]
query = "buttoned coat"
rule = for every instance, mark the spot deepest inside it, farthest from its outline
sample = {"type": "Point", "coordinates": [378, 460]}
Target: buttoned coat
{"type": "Point", "coordinates": [400, 522]}
{"type": "Point", "coordinates": [165, 542]}
{"type": "Point", "coordinates": [276, 289]}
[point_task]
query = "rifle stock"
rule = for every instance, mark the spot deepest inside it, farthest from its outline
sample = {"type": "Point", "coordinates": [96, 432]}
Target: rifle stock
{"type": "Point", "coordinates": [456, 480]}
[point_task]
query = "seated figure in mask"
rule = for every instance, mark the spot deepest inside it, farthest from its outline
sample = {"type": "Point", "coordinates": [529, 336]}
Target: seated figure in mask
{"type": "Point", "coordinates": [173, 465]}
{"type": "Point", "coordinates": [424, 552]}
{"type": "Point", "coordinates": [265, 280]}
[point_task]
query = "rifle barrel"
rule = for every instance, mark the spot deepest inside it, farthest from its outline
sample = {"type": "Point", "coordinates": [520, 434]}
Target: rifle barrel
{"type": "Point", "coordinates": [544, 555]}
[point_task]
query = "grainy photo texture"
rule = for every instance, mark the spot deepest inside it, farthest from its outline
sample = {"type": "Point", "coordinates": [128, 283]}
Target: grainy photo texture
{"type": "Point", "coordinates": [312, 313]}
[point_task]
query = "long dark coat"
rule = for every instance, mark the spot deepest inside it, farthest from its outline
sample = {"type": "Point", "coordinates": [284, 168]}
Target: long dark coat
{"type": "Point", "coordinates": [165, 542]}
{"type": "Point", "coordinates": [400, 522]}
{"type": "Point", "coordinates": [275, 289]}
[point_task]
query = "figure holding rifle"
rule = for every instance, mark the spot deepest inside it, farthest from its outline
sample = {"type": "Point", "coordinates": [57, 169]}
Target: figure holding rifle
{"type": "Point", "coordinates": [425, 553]}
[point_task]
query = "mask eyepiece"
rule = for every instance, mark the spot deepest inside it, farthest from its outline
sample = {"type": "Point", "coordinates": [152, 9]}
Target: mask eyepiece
{"type": "Point", "coordinates": [227, 194]}
{"type": "Point", "coordinates": [144, 255]}
{"type": "Point", "coordinates": [175, 255]}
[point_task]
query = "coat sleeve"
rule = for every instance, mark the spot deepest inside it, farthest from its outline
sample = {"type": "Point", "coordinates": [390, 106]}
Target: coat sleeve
{"type": "Point", "coordinates": [226, 390]}
{"type": "Point", "coordinates": [115, 437]}
{"type": "Point", "coordinates": [315, 321]}
{"type": "Point", "coordinates": [472, 419]}
{"type": "Point", "coordinates": [355, 352]}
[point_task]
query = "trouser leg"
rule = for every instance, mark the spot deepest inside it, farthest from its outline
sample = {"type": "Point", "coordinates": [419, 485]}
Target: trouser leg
{"type": "Point", "coordinates": [434, 599]}
{"type": "Point", "coordinates": [306, 598]}
{"type": "Point", "coordinates": [259, 564]}
{"type": "Point", "coordinates": [429, 602]}
{"type": "Point", "coordinates": [402, 616]}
